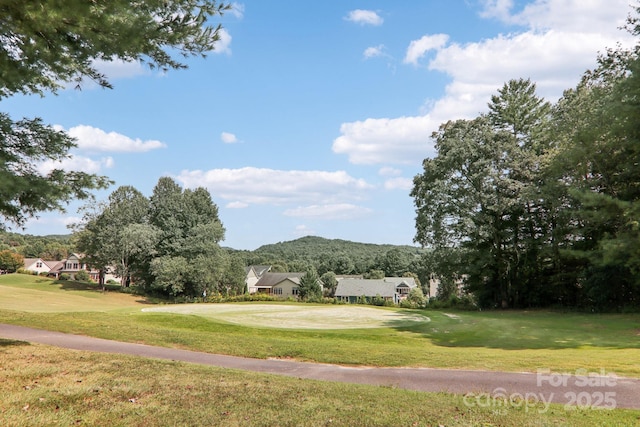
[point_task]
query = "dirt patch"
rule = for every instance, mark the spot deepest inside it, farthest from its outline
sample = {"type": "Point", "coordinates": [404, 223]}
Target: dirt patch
{"type": "Point", "coordinates": [297, 316]}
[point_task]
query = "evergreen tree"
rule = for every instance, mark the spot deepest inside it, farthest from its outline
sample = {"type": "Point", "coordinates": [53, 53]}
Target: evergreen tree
{"type": "Point", "coordinates": [309, 289]}
{"type": "Point", "coordinates": [46, 45]}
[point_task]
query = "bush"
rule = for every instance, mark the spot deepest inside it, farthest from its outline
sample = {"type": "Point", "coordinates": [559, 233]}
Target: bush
{"type": "Point", "coordinates": [64, 276]}
{"type": "Point", "coordinates": [464, 302]}
{"type": "Point", "coordinates": [82, 276]}
{"type": "Point", "coordinates": [378, 300]}
{"type": "Point", "coordinates": [44, 273]}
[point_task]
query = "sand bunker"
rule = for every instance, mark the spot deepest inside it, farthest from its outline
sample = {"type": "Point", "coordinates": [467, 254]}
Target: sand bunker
{"type": "Point", "coordinates": [297, 316]}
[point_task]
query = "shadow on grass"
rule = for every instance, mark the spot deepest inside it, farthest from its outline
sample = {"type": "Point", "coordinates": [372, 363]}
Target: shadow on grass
{"type": "Point", "coordinates": [11, 343]}
{"type": "Point", "coordinates": [521, 330]}
{"type": "Point", "coordinates": [71, 285]}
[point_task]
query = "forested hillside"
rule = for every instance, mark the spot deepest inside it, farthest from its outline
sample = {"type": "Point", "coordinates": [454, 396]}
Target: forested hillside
{"type": "Point", "coordinates": [339, 256]}
{"type": "Point", "coordinates": [52, 247]}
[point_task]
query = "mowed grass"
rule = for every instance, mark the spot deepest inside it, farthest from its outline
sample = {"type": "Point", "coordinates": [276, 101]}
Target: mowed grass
{"type": "Point", "coordinates": [501, 340]}
{"type": "Point", "coordinates": [23, 292]}
{"type": "Point", "coordinates": [42, 385]}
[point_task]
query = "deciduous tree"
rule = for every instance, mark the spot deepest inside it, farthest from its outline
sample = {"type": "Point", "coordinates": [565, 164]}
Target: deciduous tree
{"type": "Point", "coordinates": [10, 261]}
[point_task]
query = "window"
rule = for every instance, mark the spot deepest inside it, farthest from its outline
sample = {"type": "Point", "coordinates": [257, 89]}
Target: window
{"type": "Point", "coordinates": [402, 290]}
{"type": "Point", "coordinates": [38, 265]}
{"type": "Point", "coordinates": [75, 265]}
{"type": "Point", "coordinates": [294, 291]}
{"type": "Point", "coordinates": [277, 291]}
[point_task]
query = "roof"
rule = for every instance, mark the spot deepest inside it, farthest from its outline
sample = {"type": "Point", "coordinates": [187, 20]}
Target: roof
{"type": "Point", "coordinates": [259, 270]}
{"type": "Point", "coordinates": [366, 287]}
{"type": "Point", "coordinates": [57, 266]}
{"type": "Point", "coordinates": [409, 281]}
{"type": "Point", "coordinates": [269, 280]}
{"type": "Point", "coordinates": [28, 262]}
{"type": "Point", "coordinates": [371, 287]}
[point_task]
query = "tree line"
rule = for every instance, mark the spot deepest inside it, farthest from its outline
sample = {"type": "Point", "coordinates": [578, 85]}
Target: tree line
{"type": "Point", "coordinates": [52, 247]}
{"type": "Point", "coordinates": [342, 257]}
{"type": "Point", "coordinates": [167, 244]}
{"type": "Point", "coordinates": [537, 204]}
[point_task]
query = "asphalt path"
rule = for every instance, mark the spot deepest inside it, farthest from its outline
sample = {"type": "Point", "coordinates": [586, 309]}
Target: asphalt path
{"type": "Point", "coordinates": [480, 388]}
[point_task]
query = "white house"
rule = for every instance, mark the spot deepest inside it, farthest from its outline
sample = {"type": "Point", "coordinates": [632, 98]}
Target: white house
{"type": "Point", "coordinates": [38, 265]}
{"type": "Point", "coordinates": [253, 274]}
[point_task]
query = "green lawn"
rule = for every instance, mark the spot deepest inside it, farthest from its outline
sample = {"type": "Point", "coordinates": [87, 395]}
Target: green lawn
{"type": "Point", "coordinates": [497, 340]}
{"type": "Point", "coordinates": [41, 385]}
{"type": "Point", "coordinates": [22, 292]}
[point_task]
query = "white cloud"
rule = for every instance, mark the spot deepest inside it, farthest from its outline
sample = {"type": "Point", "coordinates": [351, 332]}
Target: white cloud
{"type": "Point", "coordinates": [94, 139]}
{"type": "Point", "coordinates": [237, 10]}
{"type": "Point", "coordinates": [228, 138]}
{"type": "Point", "coordinates": [112, 70]}
{"type": "Point", "coordinates": [554, 50]}
{"type": "Point", "coordinates": [374, 51]}
{"type": "Point", "coordinates": [251, 185]}
{"type": "Point", "coordinates": [596, 16]}
{"type": "Point", "coordinates": [389, 171]}
{"type": "Point", "coordinates": [364, 17]}
{"type": "Point", "coordinates": [338, 211]}
{"type": "Point", "coordinates": [119, 69]}
{"type": "Point", "coordinates": [398, 184]}
{"type": "Point", "coordinates": [223, 45]}
{"type": "Point", "coordinates": [418, 48]}
{"type": "Point", "coordinates": [398, 141]}
{"type": "Point", "coordinates": [500, 9]}
{"type": "Point", "coordinates": [76, 163]}
{"type": "Point", "coordinates": [237, 205]}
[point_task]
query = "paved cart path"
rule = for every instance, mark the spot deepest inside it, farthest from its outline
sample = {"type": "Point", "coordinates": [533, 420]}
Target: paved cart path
{"type": "Point", "coordinates": [590, 389]}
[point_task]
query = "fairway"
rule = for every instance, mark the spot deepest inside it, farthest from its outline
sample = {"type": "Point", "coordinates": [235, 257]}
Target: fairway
{"type": "Point", "coordinates": [35, 294]}
{"type": "Point", "coordinates": [297, 316]}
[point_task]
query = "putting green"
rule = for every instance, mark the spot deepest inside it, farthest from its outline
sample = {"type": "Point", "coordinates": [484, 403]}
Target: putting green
{"type": "Point", "coordinates": [297, 316]}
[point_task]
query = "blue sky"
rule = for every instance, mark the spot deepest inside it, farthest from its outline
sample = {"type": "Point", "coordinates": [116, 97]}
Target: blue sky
{"type": "Point", "coordinates": [311, 118]}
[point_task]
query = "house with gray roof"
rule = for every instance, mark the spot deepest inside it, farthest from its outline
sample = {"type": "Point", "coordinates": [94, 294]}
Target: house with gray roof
{"type": "Point", "coordinates": [279, 284]}
{"type": "Point", "coordinates": [393, 289]}
{"type": "Point", "coordinates": [253, 275]}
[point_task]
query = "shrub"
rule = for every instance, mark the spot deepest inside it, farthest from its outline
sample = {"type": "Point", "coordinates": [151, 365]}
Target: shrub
{"type": "Point", "coordinates": [378, 300]}
{"type": "Point", "coordinates": [64, 276]}
{"type": "Point", "coordinates": [82, 276]}
{"type": "Point", "coordinates": [464, 302]}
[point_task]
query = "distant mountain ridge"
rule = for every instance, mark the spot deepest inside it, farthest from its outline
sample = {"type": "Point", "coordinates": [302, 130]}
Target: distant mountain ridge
{"type": "Point", "coordinates": [321, 244]}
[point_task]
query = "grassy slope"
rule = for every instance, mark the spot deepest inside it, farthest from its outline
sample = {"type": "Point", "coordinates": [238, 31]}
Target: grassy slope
{"type": "Point", "coordinates": [511, 341]}
{"type": "Point", "coordinates": [41, 385]}
{"type": "Point", "coordinates": [21, 292]}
